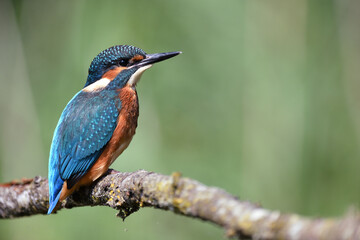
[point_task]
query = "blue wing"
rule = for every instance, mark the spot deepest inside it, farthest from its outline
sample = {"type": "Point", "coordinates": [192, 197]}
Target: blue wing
{"type": "Point", "coordinates": [84, 128]}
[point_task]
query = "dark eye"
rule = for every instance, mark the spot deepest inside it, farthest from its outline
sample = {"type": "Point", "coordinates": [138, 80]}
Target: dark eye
{"type": "Point", "coordinates": [123, 62]}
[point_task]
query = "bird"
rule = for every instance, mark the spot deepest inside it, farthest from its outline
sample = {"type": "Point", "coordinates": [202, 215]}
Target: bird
{"type": "Point", "coordinates": [99, 122]}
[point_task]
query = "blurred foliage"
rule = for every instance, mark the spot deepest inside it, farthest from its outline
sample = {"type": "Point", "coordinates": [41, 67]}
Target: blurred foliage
{"type": "Point", "coordinates": [264, 103]}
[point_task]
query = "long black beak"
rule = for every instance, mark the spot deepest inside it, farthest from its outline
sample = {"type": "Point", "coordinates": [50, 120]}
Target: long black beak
{"type": "Point", "coordinates": [156, 57]}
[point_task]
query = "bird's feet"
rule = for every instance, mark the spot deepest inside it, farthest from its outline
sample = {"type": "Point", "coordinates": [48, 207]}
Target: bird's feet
{"type": "Point", "coordinates": [111, 171]}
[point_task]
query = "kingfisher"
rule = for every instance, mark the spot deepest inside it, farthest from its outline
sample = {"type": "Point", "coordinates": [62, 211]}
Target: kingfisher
{"type": "Point", "coordinates": [99, 122]}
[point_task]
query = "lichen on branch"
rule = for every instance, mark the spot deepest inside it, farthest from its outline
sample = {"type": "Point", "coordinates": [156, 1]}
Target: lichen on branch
{"type": "Point", "coordinates": [128, 192]}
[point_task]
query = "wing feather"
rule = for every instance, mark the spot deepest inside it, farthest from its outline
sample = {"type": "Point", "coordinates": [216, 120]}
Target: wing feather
{"type": "Point", "coordinates": [84, 128]}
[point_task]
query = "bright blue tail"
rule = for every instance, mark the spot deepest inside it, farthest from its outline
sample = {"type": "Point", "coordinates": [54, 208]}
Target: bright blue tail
{"type": "Point", "coordinates": [53, 203]}
{"type": "Point", "coordinates": [55, 186]}
{"type": "Point", "coordinates": [54, 193]}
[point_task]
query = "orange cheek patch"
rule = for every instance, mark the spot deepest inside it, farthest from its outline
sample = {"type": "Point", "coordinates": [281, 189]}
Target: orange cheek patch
{"type": "Point", "coordinates": [136, 58]}
{"type": "Point", "coordinates": [111, 74]}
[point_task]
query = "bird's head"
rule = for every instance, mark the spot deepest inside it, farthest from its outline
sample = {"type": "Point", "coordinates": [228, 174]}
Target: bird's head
{"type": "Point", "coordinates": [122, 62]}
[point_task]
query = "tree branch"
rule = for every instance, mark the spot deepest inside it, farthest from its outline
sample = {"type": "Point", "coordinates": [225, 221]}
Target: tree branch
{"type": "Point", "coordinates": [127, 192]}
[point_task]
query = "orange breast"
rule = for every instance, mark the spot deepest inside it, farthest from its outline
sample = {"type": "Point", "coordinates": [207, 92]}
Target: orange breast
{"type": "Point", "coordinates": [124, 131]}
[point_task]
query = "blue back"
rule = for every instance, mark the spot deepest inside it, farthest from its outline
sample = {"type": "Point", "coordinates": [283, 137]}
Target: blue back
{"type": "Point", "coordinates": [84, 128]}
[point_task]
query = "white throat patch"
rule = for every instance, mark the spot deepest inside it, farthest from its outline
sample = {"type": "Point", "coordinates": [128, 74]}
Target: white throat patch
{"type": "Point", "coordinates": [134, 79]}
{"type": "Point", "coordinates": [98, 85]}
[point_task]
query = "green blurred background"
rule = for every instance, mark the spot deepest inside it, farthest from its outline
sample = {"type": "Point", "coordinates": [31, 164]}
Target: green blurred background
{"type": "Point", "coordinates": [263, 102]}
